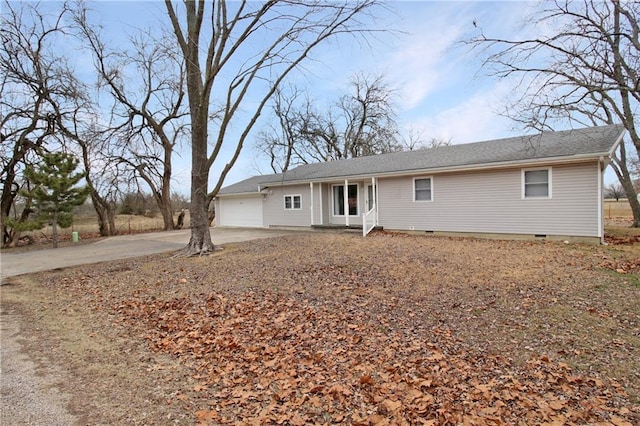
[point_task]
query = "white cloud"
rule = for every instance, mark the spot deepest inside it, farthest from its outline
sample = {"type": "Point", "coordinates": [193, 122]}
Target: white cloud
{"type": "Point", "coordinates": [419, 63]}
{"type": "Point", "coordinates": [473, 120]}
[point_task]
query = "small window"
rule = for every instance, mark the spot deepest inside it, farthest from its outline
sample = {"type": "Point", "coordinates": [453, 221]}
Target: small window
{"type": "Point", "coordinates": [536, 183]}
{"type": "Point", "coordinates": [422, 189]}
{"type": "Point", "coordinates": [292, 202]}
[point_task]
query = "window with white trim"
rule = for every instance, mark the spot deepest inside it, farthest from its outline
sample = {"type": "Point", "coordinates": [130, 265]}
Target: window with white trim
{"type": "Point", "coordinates": [370, 196]}
{"type": "Point", "coordinates": [292, 202]}
{"type": "Point", "coordinates": [422, 189]}
{"type": "Point", "coordinates": [338, 200]}
{"type": "Point", "coordinates": [536, 183]}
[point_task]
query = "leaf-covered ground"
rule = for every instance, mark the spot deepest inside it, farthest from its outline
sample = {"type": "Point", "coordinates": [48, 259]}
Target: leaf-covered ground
{"type": "Point", "coordinates": [334, 328]}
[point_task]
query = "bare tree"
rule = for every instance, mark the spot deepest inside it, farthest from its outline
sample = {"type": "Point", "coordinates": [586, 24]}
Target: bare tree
{"type": "Point", "coordinates": [414, 139]}
{"type": "Point", "coordinates": [585, 69]}
{"type": "Point", "coordinates": [231, 50]}
{"type": "Point", "coordinates": [279, 141]}
{"type": "Point", "coordinates": [358, 123]}
{"type": "Point", "coordinates": [103, 175]}
{"type": "Point", "coordinates": [614, 191]}
{"type": "Point", "coordinates": [38, 90]}
{"type": "Point", "coordinates": [148, 116]}
{"type": "Point", "coordinates": [369, 116]}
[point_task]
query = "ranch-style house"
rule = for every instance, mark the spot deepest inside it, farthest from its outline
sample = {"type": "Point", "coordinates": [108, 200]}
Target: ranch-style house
{"type": "Point", "coordinates": [548, 185]}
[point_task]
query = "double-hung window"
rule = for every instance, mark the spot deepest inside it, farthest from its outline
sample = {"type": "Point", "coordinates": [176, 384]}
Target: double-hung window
{"type": "Point", "coordinates": [292, 202]}
{"type": "Point", "coordinates": [536, 183]}
{"type": "Point", "coordinates": [422, 189]}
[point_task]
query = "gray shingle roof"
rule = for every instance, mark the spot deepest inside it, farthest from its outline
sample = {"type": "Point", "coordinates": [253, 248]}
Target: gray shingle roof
{"type": "Point", "coordinates": [589, 142]}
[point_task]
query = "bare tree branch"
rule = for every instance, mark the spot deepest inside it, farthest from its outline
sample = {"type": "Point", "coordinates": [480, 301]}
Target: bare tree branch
{"type": "Point", "coordinates": [148, 116]}
{"type": "Point", "coordinates": [359, 123]}
{"type": "Point", "coordinates": [38, 90]}
{"type": "Point", "coordinates": [250, 48]}
{"type": "Point", "coordinates": [587, 70]}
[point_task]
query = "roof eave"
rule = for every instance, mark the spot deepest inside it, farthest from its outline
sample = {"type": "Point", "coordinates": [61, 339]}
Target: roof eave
{"type": "Point", "coordinates": [579, 158]}
{"type": "Point", "coordinates": [240, 194]}
{"type": "Point", "coordinates": [473, 167]}
{"type": "Point", "coordinates": [616, 144]}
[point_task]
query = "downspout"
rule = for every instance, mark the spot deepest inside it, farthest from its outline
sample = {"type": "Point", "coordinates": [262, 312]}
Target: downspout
{"type": "Point", "coordinates": [601, 165]}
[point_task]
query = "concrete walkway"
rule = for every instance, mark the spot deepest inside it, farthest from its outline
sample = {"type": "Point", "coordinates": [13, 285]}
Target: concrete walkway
{"type": "Point", "coordinates": [120, 247]}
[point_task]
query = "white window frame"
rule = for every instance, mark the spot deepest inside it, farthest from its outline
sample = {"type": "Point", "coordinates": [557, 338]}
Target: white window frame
{"type": "Point", "coordinates": [549, 184]}
{"type": "Point", "coordinates": [346, 208]}
{"type": "Point", "coordinates": [293, 203]}
{"type": "Point", "coordinates": [370, 198]}
{"type": "Point", "coordinates": [430, 200]}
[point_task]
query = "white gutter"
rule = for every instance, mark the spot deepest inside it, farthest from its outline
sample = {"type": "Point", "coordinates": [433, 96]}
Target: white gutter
{"type": "Point", "coordinates": [473, 167]}
{"type": "Point", "coordinates": [601, 166]}
{"type": "Point", "coordinates": [243, 194]}
{"type": "Point", "coordinates": [476, 167]}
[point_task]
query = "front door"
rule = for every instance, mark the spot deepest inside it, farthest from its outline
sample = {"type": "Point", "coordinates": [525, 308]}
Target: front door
{"type": "Point", "coordinates": [369, 197]}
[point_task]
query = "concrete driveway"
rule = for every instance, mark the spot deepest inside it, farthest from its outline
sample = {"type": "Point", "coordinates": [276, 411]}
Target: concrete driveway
{"type": "Point", "coordinates": [120, 247]}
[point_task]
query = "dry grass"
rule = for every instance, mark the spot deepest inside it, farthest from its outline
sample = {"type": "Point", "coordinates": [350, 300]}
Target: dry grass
{"type": "Point", "coordinates": [496, 305]}
{"type": "Point", "coordinates": [87, 226]}
{"type": "Point", "coordinates": [617, 209]}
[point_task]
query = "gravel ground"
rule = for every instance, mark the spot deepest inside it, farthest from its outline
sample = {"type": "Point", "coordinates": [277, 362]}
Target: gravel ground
{"type": "Point", "coordinates": [28, 397]}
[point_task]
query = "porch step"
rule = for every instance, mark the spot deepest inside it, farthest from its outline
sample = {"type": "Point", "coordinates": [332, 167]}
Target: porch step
{"type": "Point", "coordinates": [337, 227]}
{"type": "Point", "coordinates": [350, 228]}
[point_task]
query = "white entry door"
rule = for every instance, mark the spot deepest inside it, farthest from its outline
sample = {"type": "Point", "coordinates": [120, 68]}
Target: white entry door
{"type": "Point", "coordinates": [369, 198]}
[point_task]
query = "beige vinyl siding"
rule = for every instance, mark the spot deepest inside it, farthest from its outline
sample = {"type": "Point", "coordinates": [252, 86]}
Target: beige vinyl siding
{"type": "Point", "coordinates": [492, 202]}
{"type": "Point", "coordinates": [275, 213]}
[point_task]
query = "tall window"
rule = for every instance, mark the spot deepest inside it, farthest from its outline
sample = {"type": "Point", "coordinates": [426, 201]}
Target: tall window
{"type": "Point", "coordinates": [370, 198]}
{"type": "Point", "coordinates": [338, 200]}
{"type": "Point", "coordinates": [422, 189]}
{"type": "Point", "coordinates": [537, 183]}
{"type": "Point", "coordinates": [292, 202]}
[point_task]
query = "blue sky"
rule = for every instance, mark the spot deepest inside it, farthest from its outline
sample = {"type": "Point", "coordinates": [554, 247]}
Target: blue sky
{"type": "Point", "coordinates": [441, 91]}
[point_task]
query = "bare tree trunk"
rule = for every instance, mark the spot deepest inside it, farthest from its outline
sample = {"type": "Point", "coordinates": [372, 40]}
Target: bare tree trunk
{"type": "Point", "coordinates": [301, 26]}
{"type": "Point", "coordinates": [633, 203]}
{"type": "Point", "coordinates": [8, 195]}
{"type": "Point", "coordinates": [162, 193]}
{"type": "Point", "coordinates": [106, 215]}
{"type": "Point", "coordinates": [149, 118]}
{"type": "Point", "coordinates": [592, 74]}
{"type": "Point", "coordinates": [13, 236]}
{"type": "Point", "coordinates": [104, 210]}
{"type": "Point", "coordinates": [54, 228]}
{"type": "Point", "coordinates": [167, 216]}
{"type": "Point", "coordinates": [619, 166]}
{"type": "Point", "coordinates": [628, 119]}
{"type": "Point", "coordinates": [200, 242]}
{"type": "Point", "coordinates": [212, 212]}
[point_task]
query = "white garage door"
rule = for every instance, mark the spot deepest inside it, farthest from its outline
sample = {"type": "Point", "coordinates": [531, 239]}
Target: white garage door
{"type": "Point", "coordinates": [241, 211]}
